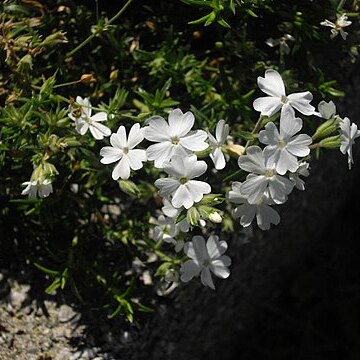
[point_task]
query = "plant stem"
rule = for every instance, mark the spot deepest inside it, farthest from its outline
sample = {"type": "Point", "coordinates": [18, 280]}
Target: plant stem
{"type": "Point", "coordinates": [255, 131]}
{"type": "Point", "coordinates": [90, 37]}
{"type": "Point", "coordinates": [340, 5]}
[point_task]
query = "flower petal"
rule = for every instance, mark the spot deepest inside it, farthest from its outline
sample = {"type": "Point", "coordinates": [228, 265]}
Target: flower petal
{"type": "Point", "coordinates": [122, 169]}
{"type": "Point", "coordinates": [301, 102]}
{"type": "Point", "coordinates": [289, 124]}
{"type": "Point", "coordinates": [197, 189]}
{"type": "Point", "coordinates": [135, 158]}
{"type": "Point", "coordinates": [253, 161]}
{"type": "Point", "coordinates": [160, 152]}
{"type": "Point", "coordinates": [195, 141]}
{"type": "Point", "coordinates": [267, 105]}
{"type": "Point", "coordinates": [218, 158]}
{"type": "Point", "coordinates": [180, 124]}
{"type": "Point", "coordinates": [182, 197]}
{"type": "Point", "coordinates": [136, 136]}
{"type": "Point", "coordinates": [299, 145]}
{"type": "Point", "coordinates": [215, 248]}
{"type": "Point", "coordinates": [206, 278]}
{"type": "Point", "coordinates": [266, 216]}
{"type": "Point", "coordinates": [110, 154]}
{"type": "Point", "coordinates": [272, 84]}
{"type": "Point", "coordinates": [189, 269]}
{"type": "Point", "coordinates": [99, 117]}
{"type": "Point", "coordinates": [158, 130]}
{"type": "Point", "coordinates": [167, 186]}
{"type": "Point", "coordinates": [99, 131]}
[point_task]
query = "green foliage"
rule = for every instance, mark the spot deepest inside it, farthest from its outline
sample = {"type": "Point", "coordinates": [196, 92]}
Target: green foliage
{"type": "Point", "coordinates": [91, 236]}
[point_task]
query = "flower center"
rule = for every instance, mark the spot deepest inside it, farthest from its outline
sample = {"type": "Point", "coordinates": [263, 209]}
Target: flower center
{"type": "Point", "coordinates": [175, 140]}
{"type": "Point", "coordinates": [125, 150]}
{"type": "Point", "coordinates": [269, 173]}
{"type": "Point", "coordinates": [282, 144]}
{"type": "Point", "coordinates": [284, 99]}
{"type": "Point", "coordinates": [183, 180]}
{"type": "Point", "coordinates": [206, 262]}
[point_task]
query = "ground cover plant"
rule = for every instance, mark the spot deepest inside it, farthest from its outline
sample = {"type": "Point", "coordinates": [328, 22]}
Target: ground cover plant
{"type": "Point", "coordinates": [137, 138]}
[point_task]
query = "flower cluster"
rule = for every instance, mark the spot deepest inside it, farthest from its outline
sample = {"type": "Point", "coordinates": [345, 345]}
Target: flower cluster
{"type": "Point", "coordinates": [275, 161]}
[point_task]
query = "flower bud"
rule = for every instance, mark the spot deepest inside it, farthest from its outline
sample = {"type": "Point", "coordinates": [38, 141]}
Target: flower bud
{"type": "Point", "coordinates": [193, 216]}
{"type": "Point", "coordinates": [130, 188]}
{"type": "Point", "coordinates": [326, 129]}
{"type": "Point", "coordinates": [235, 149]}
{"type": "Point", "coordinates": [331, 142]}
{"type": "Point", "coordinates": [87, 79]}
{"type": "Point", "coordinates": [215, 217]}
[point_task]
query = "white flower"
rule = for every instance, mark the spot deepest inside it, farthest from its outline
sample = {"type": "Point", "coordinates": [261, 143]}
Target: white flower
{"type": "Point", "coordinates": [205, 258]}
{"type": "Point", "coordinates": [327, 110]}
{"type": "Point", "coordinates": [221, 133]}
{"type": "Point", "coordinates": [303, 170]}
{"type": "Point", "coordinates": [282, 42]}
{"type": "Point", "coordinates": [173, 212]}
{"type": "Point", "coordinates": [283, 148]}
{"type": "Point", "coordinates": [273, 85]}
{"type": "Point", "coordinates": [81, 114]}
{"type": "Point", "coordinates": [174, 137]}
{"type": "Point", "coordinates": [338, 26]}
{"type": "Point", "coordinates": [41, 188]}
{"type": "Point", "coordinates": [166, 230]}
{"type": "Point", "coordinates": [264, 213]}
{"type": "Point", "coordinates": [263, 178]}
{"type": "Point", "coordinates": [349, 132]}
{"type": "Point", "coordinates": [122, 150]}
{"type": "Point", "coordinates": [184, 191]}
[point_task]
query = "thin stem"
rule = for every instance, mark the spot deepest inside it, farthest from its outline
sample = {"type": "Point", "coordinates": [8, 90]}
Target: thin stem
{"type": "Point", "coordinates": [340, 5]}
{"type": "Point", "coordinates": [66, 84]}
{"type": "Point", "coordinates": [255, 131]}
{"type": "Point", "coordinates": [90, 37]}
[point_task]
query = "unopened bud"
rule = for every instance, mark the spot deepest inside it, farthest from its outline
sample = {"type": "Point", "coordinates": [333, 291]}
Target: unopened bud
{"type": "Point", "coordinates": [331, 142]}
{"type": "Point", "coordinates": [215, 217]}
{"type": "Point", "coordinates": [130, 188]}
{"type": "Point", "coordinates": [87, 79]}
{"type": "Point", "coordinates": [193, 216]}
{"type": "Point", "coordinates": [235, 150]}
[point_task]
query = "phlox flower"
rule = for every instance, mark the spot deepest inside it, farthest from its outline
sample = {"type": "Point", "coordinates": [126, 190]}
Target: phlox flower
{"type": "Point", "coordinates": [166, 230]}
{"type": "Point", "coordinates": [183, 190]}
{"type": "Point", "coordinates": [173, 137]}
{"type": "Point", "coordinates": [205, 258]}
{"type": "Point", "coordinates": [349, 132]}
{"type": "Point", "coordinates": [283, 147]}
{"type": "Point", "coordinates": [263, 178]}
{"type": "Point", "coordinates": [337, 27]}
{"type": "Point", "coordinates": [281, 42]}
{"type": "Point", "coordinates": [303, 170]}
{"type": "Point", "coordinates": [216, 144]}
{"type": "Point", "coordinates": [84, 121]}
{"type": "Point", "coordinates": [40, 187]}
{"type": "Point", "coordinates": [262, 210]}
{"type": "Point", "coordinates": [272, 84]}
{"type": "Point", "coordinates": [123, 150]}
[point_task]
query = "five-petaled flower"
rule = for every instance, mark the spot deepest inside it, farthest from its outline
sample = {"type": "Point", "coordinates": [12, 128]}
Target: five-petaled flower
{"type": "Point", "coordinates": [272, 84]}
{"type": "Point", "coordinates": [205, 258]}
{"type": "Point", "coordinates": [262, 210]}
{"type": "Point", "coordinates": [81, 114]}
{"type": "Point", "coordinates": [216, 144]}
{"type": "Point", "coordinates": [183, 190]}
{"type": "Point", "coordinates": [263, 178]}
{"type": "Point", "coordinates": [173, 137]}
{"type": "Point", "coordinates": [122, 150]}
{"type": "Point", "coordinates": [283, 148]}
{"type": "Point", "coordinates": [337, 27]}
